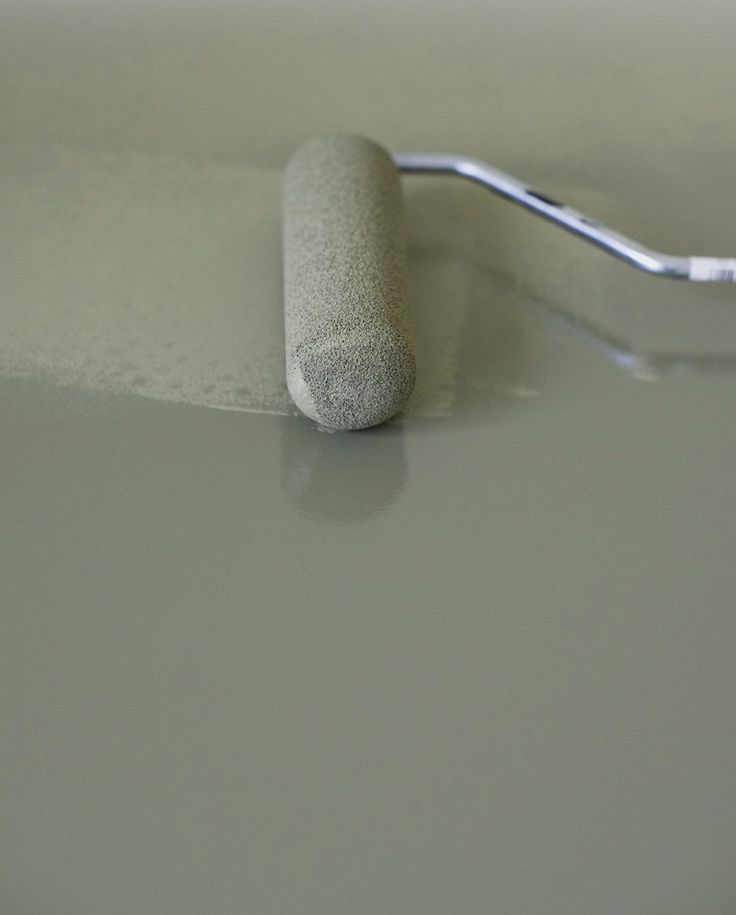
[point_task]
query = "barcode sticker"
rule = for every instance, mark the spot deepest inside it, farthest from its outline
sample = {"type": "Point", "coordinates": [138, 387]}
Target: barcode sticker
{"type": "Point", "coordinates": [713, 269]}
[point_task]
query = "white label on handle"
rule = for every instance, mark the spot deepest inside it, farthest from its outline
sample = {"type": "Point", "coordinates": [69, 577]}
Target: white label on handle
{"type": "Point", "coordinates": [713, 269]}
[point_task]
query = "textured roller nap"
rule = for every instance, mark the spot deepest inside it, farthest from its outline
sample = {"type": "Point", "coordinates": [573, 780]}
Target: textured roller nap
{"type": "Point", "coordinates": [349, 358]}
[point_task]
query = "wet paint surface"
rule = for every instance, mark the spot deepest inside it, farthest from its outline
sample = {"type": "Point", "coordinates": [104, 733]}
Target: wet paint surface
{"type": "Point", "coordinates": [478, 660]}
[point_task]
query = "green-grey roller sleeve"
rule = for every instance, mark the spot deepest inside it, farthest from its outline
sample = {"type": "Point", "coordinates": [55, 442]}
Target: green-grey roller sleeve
{"type": "Point", "coordinates": [349, 357]}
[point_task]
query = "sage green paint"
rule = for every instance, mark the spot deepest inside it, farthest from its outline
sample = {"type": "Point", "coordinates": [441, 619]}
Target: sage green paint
{"type": "Point", "coordinates": [481, 660]}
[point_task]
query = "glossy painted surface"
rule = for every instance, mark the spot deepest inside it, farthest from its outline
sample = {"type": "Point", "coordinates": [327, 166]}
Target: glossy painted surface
{"type": "Point", "coordinates": [479, 660]}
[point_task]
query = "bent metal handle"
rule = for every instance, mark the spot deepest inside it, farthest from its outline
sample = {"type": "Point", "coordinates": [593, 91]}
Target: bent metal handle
{"type": "Point", "coordinates": [698, 269]}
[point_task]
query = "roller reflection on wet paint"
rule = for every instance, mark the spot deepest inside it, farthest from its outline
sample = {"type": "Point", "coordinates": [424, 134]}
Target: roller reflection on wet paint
{"type": "Point", "coordinates": [331, 477]}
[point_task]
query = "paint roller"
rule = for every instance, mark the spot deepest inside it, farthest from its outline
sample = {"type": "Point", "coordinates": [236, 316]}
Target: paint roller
{"type": "Point", "coordinates": [349, 355]}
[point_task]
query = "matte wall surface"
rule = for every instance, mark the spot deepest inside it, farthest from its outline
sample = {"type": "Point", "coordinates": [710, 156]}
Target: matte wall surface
{"type": "Point", "coordinates": [481, 659]}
